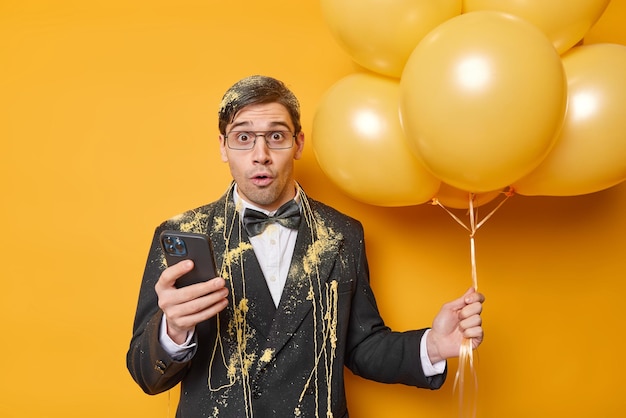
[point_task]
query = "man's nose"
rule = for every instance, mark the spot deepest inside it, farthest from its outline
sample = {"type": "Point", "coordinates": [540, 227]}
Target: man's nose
{"type": "Point", "coordinates": [261, 151]}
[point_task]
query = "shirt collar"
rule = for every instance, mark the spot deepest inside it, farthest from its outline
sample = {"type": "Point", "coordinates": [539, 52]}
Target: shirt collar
{"type": "Point", "coordinates": [241, 204]}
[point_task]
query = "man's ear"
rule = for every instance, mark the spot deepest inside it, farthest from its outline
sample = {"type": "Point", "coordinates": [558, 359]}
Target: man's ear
{"type": "Point", "coordinates": [223, 148]}
{"type": "Point", "coordinates": [299, 146]}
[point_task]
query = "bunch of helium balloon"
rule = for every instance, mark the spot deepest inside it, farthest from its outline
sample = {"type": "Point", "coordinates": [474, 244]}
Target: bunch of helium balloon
{"type": "Point", "coordinates": [473, 95]}
{"type": "Point", "coordinates": [463, 101]}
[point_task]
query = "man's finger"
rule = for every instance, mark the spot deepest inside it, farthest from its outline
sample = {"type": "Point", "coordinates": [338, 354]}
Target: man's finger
{"type": "Point", "coordinates": [173, 273]}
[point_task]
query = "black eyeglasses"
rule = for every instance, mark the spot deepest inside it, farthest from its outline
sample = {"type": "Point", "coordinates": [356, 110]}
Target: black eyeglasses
{"type": "Point", "coordinates": [242, 140]}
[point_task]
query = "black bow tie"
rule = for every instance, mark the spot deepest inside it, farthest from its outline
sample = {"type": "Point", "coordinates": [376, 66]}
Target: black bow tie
{"type": "Point", "coordinates": [255, 222]}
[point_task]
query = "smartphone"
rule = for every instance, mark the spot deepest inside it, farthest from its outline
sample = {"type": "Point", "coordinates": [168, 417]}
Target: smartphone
{"type": "Point", "coordinates": [178, 246]}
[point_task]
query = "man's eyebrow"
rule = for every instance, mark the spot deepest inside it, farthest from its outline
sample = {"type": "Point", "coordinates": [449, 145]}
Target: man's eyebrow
{"type": "Point", "coordinates": [247, 124]}
{"type": "Point", "coordinates": [239, 124]}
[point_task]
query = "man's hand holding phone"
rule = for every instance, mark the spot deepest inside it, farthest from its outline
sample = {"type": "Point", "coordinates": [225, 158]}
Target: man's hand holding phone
{"type": "Point", "coordinates": [187, 306]}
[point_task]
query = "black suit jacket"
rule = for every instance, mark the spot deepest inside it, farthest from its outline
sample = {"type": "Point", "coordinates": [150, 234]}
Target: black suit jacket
{"type": "Point", "coordinates": [255, 360]}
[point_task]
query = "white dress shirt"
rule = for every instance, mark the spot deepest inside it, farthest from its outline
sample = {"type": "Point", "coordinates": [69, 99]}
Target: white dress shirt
{"type": "Point", "coordinates": [273, 249]}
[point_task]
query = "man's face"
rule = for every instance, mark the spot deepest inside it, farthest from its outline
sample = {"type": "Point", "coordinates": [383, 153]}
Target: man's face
{"type": "Point", "coordinates": [264, 176]}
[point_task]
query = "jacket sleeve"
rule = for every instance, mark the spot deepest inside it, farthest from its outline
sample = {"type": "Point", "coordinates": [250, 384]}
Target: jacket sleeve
{"type": "Point", "coordinates": [148, 363]}
{"type": "Point", "coordinates": [373, 350]}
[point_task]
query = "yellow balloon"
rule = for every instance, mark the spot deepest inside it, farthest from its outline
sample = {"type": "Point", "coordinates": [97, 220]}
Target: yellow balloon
{"type": "Point", "coordinates": [565, 22]}
{"type": "Point", "coordinates": [360, 146]}
{"type": "Point", "coordinates": [454, 198]}
{"type": "Point", "coordinates": [380, 35]}
{"type": "Point", "coordinates": [482, 98]}
{"type": "Point", "coordinates": [590, 154]}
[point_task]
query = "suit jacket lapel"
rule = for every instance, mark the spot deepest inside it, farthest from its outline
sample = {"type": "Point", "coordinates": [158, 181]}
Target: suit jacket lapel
{"type": "Point", "coordinates": [314, 256]}
{"type": "Point", "coordinates": [260, 303]}
{"type": "Point", "coordinates": [249, 283]}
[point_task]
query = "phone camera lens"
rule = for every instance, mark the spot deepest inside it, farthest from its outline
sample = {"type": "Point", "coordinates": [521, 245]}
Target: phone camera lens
{"type": "Point", "coordinates": [174, 245]}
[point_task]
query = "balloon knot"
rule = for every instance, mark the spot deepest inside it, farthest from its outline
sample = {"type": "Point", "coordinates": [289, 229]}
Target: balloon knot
{"type": "Point", "coordinates": [510, 192]}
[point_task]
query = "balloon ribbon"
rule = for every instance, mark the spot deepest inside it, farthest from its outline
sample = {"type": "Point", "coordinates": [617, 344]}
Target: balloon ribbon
{"type": "Point", "coordinates": [466, 352]}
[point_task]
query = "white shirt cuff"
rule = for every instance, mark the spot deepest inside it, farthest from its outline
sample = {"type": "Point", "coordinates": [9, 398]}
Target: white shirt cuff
{"type": "Point", "coordinates": [177, 351]}
{"type": "Point", "coordinates": [429, 368]}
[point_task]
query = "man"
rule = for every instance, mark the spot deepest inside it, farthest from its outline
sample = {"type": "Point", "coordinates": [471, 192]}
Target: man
{"type": "Point", "coordinates": [293, 305]}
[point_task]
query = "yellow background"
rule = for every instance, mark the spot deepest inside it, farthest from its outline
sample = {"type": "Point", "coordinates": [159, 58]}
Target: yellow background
{"type": "Point", "coordinates": [108, 126]}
